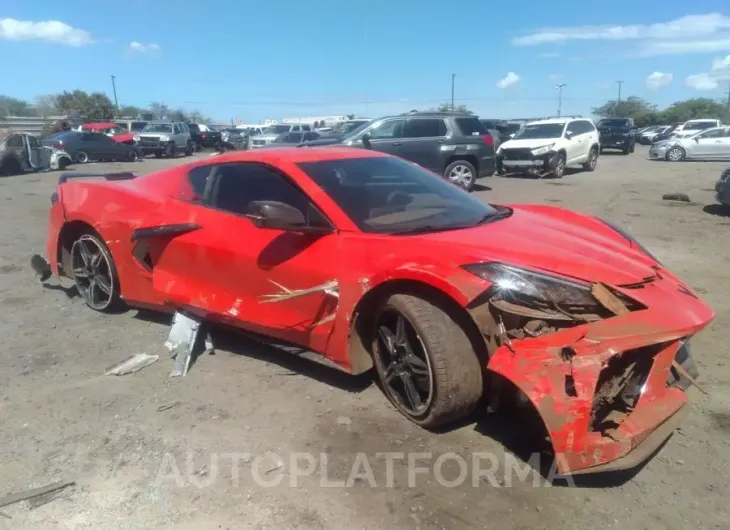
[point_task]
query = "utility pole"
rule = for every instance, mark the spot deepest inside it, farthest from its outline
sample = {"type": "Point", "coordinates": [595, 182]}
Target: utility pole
{"type": "Point", "coordinates": [114, 87]}
{"type": "Point", "coordinates": [560, 88]}
{"type": "Point", "coordinates": [453, 77]}
{"type": "Point", "coordinates": [619, 83]}
{"type": "Point", "coordinates": [728, 98]}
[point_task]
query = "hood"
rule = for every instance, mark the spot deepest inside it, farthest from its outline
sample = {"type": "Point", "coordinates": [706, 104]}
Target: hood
{"type": "Point", "coordinates": [528, 144]}
{"type": "Point", "coordinates": [552, 240]}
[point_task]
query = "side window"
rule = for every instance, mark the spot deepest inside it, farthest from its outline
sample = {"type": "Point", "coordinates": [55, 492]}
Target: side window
{"type": "Point", "coordinates": [306, 128]}
{"type": "Point", "coordinates": [34, 142]}
{"type": "Point", "coordinates": [387, 129]}
{"type": "Point", "coordinates": [122, 125]}
{"type": "Point", "coordinates": [589, 127]}
{"type": "Point", "coordinates": [727, 132]}
{"type": "Point", "coordinates": [241, 184]}
{"type": "Point", "coordinates": [424, 128]}
{"type": "Point", "coordinates": [138, 125]}
{"type": "Point", "coordinates": [296, 137]}
{"type": "Point", "coordinates": [714, 133]}
{"type": "Point", "coordinates": [15, 141]}
{"type": "Point", "coordinates": [176, 129]}
{"type": "Point", "coordinates": [198, 178]}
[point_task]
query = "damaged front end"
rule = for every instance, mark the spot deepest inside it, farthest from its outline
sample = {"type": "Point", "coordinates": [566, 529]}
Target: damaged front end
{"type": "Point", "coordinates": [605, 370]}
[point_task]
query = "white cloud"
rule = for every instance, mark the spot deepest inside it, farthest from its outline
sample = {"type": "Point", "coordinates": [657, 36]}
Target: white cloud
{"type": "Point", "coordinates": [662, 47]}
{"type": "Point", "coordinates": [691, 26]}
{"type": "Point", "coordinates": [721, 68]}
{"type": "Point", "coordinates": [701, 82]}
{"type": "Point", "coordinates": [658, 80]}
{"type": "Point", "coordinates": [46, 30]}
{"type": "Point", "coordinates": [555, 77]}
{"type": "Point", "coordinates": [510, 79]}
{"type": "Point", "coordinates": [138, 47]}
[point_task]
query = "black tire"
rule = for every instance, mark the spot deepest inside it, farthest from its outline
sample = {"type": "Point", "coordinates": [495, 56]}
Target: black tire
{"type": "Point", "coordinates": [171, 150]}
{"type": "Point", "coordinates": [189, 149]}
{"type": "Point", "coordinates": [132, 155]}
{"type": "Point", "coordinates": [462, 173]}
{"type": "Point", "coordinates": [105, 266]}
{"type": "Point", "coordinates": [685, 360]}
{"type": "Point", "coordinates": [626, 150]}
{"type": "Point", "coordinates": [678, 155]}
{"type": "Point", "coordinates": [633, 148]}
{"type": "Point", "coordinates": [82, 157]}
{"type": "Point", "coordinates": [590, 165]}
{"type": "Point", "coordinates": [455, 372]}
{"type": "Point", "coordinates": [158, 154]}
{"type": "Point", "coordinates": [10, 167]}
{"type": "Point", "coordinates": [559, 170]}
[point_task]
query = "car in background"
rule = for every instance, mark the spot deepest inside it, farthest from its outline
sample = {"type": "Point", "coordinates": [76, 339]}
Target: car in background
{"type": "Point", "coordinates": [666, 134]}
{"type": "Point", "coordinates": [648, 135]}
{"type": "Point", "coordinates": [22, 153]}
{"type": "Point", "coordinates": [112, 130]}
{"type": "Point", "coordinates": [690, 127]}
{"type": "Point", "coordinates": [205, 136]}
{"type": "Point", "coordinates": [293, 138]}
{"type": "Point", "coordinates": [708, 144]}
{"type": "Point", "coordinates": [453, 144]}
{"type": "Point", "coordinates": [234, 139]}
{"type": "Point", "coordinates": [272, 132]}
{"type": "Point", "coordinates": [546, 147]}
{"type": "Point", "coordinates": [722, 188]}
{"type": "Point", "coordinates": [165, 138]}
{"type": "Point", "coordinates": [86, 146]}
{"type": "Point", "coordinates": [344, 128]}
{"type": "Point", "coordinates": [132, 126]}
{"type": "Point", "coordinates": [617, 133]}
{"type": "Point", "coordinates": [502, 130]}
{"type": "Point", "coordinates": [252, 131]}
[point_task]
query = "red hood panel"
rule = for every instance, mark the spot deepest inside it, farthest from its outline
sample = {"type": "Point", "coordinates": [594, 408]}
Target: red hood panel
{"type": "Point", "coordinates": [554, 241]}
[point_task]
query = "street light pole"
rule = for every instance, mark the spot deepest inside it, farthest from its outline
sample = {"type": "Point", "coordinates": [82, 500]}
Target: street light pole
{"type": "Point", "coordinates": [453, 77]}
{"type": "Point", "coordinates": [619, 90]}
{"type": "Point", "coordinates": [114, 88]}
{"type": "Point", "coordinates": [560, 88]}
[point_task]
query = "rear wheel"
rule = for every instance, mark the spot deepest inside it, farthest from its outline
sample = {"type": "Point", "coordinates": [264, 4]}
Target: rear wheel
{"type": "Point", "coordinates": [189, 149]}
{"type": "Point", "coordinates": [461, 173]}
{"type": "Point", "coordinates": [425, 361]}
{"type": "Point", "coordinates": [94, 273]}
{"type": "Point", "coordinates": [590, 164]}
{"type": "Point", "coordinates": [82, 157]}
{"type": "Point", "coordinates": [10, 167]}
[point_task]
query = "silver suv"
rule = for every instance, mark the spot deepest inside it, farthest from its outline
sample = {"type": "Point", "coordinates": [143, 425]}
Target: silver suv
{"type": "Point", "coordinates": [165, 138]}
{"type": "Point", "coordinates": [271, 133]}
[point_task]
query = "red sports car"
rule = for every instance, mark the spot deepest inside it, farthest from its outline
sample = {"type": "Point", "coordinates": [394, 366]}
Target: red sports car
{"type": "Point", "coordinates": [372, 261]}
{"type": "Point", "coordinates": [110, 129]}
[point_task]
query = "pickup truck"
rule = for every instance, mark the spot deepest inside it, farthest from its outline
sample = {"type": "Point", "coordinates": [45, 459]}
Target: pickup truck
{"type": "Point", "coordinates": [617, 133]}
{"type": "Point", "coordinates": [205, 136]}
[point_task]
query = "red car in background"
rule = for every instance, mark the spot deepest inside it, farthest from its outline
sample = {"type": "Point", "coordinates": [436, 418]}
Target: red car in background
{"type": "Point", "coordinates": [110, 129]}
{"type": "Point", "coordinates": [374, 262]}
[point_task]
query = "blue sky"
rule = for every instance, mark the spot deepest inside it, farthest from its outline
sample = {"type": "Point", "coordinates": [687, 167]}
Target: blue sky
{"type": "Point", "coordinates": [253, 60]}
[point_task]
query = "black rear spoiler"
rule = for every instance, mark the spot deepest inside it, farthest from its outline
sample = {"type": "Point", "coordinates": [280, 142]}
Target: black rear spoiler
{"type": "Point", "coordinates": [124, 175]}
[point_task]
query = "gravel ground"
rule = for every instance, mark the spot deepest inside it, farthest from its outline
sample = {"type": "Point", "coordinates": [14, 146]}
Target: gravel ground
{"type": "Point", "coordinates": [139, 466]}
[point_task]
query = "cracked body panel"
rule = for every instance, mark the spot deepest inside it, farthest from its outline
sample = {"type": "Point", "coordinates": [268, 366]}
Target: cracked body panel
{"type": "Point", "coordinates": [579, 318]}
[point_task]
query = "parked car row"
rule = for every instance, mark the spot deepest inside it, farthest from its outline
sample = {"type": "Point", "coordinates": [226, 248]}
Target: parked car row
{"type": "Point", "coordinates": [707, 144]}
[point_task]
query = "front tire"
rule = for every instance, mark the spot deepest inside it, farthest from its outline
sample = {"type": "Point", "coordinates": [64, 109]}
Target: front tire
{"type": "Point", "coordinates": [461, 173]}
{"type": "Point", "coordinates": [425, 362]}
{"type": "Point", "coordinates": [559, 170]}
{"type": "Point", "coordinates": [171, 150]}
{"type": "Point", "coordinates": [590, 165]}
{"type": "Point", "coordinates": [132, 155]}
{"type": "Point", "coordinates": [675, 154]}
{"type": "Point", "coordinates": [189, 149]}
{"type": "Point", "coordinates": [82, 157]}
{"type": "Point", "coordinates": [95, 273]}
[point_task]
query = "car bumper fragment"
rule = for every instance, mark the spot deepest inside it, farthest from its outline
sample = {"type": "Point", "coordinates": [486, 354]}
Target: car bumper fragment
{"type": "Point", "coordinates": [534, 164]}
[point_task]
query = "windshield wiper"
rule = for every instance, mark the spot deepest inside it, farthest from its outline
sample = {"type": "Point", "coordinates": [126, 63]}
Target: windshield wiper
{"type": "Point", "coordinates": [491, 217]}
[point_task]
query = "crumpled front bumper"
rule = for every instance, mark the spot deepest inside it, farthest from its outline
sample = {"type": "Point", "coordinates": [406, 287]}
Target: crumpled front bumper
{"type": "Point", "coordinates": [544, 163]}
{"type": "Point", "coordinates": [569, 376]}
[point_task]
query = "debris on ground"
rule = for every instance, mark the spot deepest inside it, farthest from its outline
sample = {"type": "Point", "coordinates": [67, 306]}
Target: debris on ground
{"type": "Point", "coordinates": [163, 408]}
{"type": "Point", "coordinates": [132, 364]}
{"type": "Point", "coordinates": [681, 197]}
{"type": "Point", "coordinates": [35, 492]}
{"type": "Point", "coordinates": [184, 343]}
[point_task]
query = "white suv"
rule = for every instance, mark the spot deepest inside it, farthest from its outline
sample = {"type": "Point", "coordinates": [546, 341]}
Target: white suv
{"type": "Point", "coordinates": [547, 147]}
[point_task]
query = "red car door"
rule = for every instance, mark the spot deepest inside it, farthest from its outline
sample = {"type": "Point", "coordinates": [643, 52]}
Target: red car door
{"type": "Point", "coordinates": [279, 283]}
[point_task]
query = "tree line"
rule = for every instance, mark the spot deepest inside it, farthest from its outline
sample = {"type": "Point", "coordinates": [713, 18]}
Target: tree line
{"type": "Point", "coordinates": [92, 107]}
{"type": "Point", "coordinates": [645, 113]}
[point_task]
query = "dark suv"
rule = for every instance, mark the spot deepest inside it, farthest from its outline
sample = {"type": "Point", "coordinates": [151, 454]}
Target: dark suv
{"type": "Point", "coordinates": [453, 144]}
{"type": "Point", "coordinates": [617, 133]}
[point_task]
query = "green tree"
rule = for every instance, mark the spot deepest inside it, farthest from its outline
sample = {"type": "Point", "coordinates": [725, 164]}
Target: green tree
{"type": "Point", "coordinates": [159, 110]}
{"type": "Point", "coordinates": [15, 107]}
{"type": "Point", "coordinates": [446, 107]}
{"type": "Point", "coordinates": [93, 107]}
{"type": "Point", "coordinates": [696, 108]}
{"type": "Point", "coordinates": [642, 112]}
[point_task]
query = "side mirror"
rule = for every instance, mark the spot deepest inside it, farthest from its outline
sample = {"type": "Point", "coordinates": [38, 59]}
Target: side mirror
{"type": "Point", "coordinates": [365, 139]}
{"type": "Point", "coordinates": [568, 135]}
{"type": "Point", "coordinates": [276, 215]}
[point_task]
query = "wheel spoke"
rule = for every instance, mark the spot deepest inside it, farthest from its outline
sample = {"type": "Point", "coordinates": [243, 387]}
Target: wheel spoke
{"type": "Point", "coordinates": [388, 339]}
{"type": "Point", "coordinates": [80, 273]}
{"type": "Point", "coordinates": [96, 260]}
{"type": "Point", "coordinates": [103, 284]}
{"type": "Point", "coordinates": [390, 372]}
{"type": "Point", "coordinates": [84, 253]}
{"type": "Point", "coordinates": [400, 332]}
{"type": "Point", "coordinates": [417, 366]}
{"type": "Point", "coordinates": [412, 395]}
{"type": "Point", "coordinates": [91, 291]}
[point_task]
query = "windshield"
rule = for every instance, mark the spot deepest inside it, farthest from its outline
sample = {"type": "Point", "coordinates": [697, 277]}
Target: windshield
{"type": "Point", "coordinates": [357, 130]}
{"type": "Point", "coordinates": [158, 128]}
{"type": "Point", "coordinates": [352, 126]}
{"type": "Point", "coordinates": [277, 129]}
{"type": "Point", "coordinates": [389, 195]}
{"type": "Point", "coordinates": [614, 123]}
{"type": "Point", "coordinates": [699, 125]}
{"type": "Point", "coordinates": [513, 127]}
{"type": "Point", "coordinates": [536, 131]}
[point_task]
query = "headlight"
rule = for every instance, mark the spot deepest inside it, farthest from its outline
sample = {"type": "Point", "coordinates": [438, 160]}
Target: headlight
{"type": "Point", "coordinates": [630, 239]}
{"type": "Point", "coordinates": [164, 138]}
{"type": "Point", "coordinates": [136, 137]}
{"type": "Point", "coordinates": [513, 282]}
{"type": "Point", "coordinates": [542, 150]}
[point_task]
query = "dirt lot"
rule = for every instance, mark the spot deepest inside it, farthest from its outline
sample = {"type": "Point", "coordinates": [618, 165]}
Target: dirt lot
{"type": "Point", "coordinates": [62, 418]}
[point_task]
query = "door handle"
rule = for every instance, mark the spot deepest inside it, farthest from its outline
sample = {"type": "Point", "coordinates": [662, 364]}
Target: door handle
{"type": "Point", "coordinates": [396, 143]}
{"type": "Point", "coordinates": [718, 141]}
